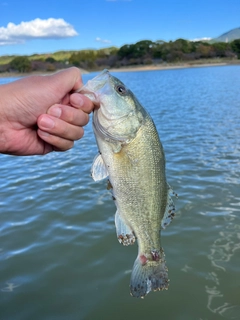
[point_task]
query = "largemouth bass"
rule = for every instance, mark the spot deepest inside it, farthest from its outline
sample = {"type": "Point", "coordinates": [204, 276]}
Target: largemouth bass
{"type": "Point", "coordinates": [132, 157]}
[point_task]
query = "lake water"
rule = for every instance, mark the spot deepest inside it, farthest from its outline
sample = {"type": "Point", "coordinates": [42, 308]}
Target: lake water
{"type": "Point", "coordinates": [59, 256]}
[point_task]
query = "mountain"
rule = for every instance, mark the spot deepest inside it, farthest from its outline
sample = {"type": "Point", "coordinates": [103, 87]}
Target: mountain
{"type": "Point", "coordinates": [229, 36]}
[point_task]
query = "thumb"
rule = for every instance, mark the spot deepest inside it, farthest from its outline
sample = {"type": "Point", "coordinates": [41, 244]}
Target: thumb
{"type": "Point", "coordinates": [65, 81]}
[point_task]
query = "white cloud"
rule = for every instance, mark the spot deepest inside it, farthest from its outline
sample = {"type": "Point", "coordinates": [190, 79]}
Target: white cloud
{"type": "Point", "coordinates": [201, 39]}
{"type": "Point", "coordinates": [102, 40]}
{"type": "Point", "coordinates": [36, 29]}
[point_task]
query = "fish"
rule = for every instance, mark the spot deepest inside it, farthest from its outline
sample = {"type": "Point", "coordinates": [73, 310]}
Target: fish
{"type": "Point", "coordinates": [131, 156]}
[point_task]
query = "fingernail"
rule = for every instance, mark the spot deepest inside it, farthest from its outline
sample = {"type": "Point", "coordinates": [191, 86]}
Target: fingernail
{"type": "Point", "coordinates": [55, 111]}
{"type": "Point", "coordinates": [47, 123]}
{"type": "Point", "coordinates": [78, 100]}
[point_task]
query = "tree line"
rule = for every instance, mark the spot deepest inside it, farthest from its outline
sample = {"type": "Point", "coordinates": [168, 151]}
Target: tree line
{"type": "Point", "coordinates": [143, 52]}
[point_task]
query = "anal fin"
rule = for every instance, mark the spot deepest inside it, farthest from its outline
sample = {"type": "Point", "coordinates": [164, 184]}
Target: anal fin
{"type": "Point", "coordinates": [124, 233]}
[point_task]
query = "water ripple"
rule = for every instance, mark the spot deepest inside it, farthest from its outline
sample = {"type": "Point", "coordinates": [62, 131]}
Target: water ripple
{"type": "Point", "coordinates": [57, 239]}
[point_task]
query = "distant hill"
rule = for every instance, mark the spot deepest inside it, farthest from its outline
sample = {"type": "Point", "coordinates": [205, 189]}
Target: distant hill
{"type": "Point", "coordinates": [229, 36]}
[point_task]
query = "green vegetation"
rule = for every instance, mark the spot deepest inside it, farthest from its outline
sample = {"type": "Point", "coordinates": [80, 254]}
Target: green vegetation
{"type": "Point", "coordinates": [144, 52]}
{"type": "Point", "coordinates": [93, 59]}
{"type": "Point", "coordinates": [235, 45]}
{"type": "Point", "coordinates": [21, 64]}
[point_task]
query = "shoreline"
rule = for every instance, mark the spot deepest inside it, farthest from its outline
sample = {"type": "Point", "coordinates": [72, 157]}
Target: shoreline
{"type": "Point", "coordinates": [163, 66]}
{"type": "Point", "coordinates": [166, 67]}
{"type": "Point", "coordinates": [180, 65]}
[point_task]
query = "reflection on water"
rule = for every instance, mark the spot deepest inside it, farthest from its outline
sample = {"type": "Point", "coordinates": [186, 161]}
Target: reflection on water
{"type": "Point", "coordinates": [224, 248]}
{"type": "Point", "coordinates": [9, 287]}
{"type": "Point", "coordinates": [59, 256]}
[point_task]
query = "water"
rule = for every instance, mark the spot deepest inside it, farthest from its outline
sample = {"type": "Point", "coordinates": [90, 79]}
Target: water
{"type": "Point", "coordinates": [59, 256]}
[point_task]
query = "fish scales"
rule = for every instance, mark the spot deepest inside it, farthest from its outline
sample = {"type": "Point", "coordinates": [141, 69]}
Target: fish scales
{"type": "Point", "coordinates": [138, 192]}
{"type": "Point", "coordinates": [132, 157]}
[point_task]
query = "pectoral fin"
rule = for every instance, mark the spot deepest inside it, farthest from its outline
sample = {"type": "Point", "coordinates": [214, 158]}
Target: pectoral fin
{"type": "Point", "coordinates": [124, 233]}
{"type": "Point", "coordinates": [99, 170]}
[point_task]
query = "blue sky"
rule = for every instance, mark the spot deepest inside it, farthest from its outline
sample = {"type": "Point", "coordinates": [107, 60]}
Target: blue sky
{"type": "Point", "coordinates": [28, 27]}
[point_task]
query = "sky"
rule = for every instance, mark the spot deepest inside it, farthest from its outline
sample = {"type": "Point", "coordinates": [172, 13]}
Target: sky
{"type": "Point", "coordinates": [47, 26]}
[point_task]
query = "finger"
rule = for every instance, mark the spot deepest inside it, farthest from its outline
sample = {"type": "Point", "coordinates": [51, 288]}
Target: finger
{"type": "Point", "coordinates": [65, 99]}
{"type": "Point", "coordinates": [70, 79]}
{"type": "Point", "coordinates": [79, 101]}
{"type": "Point", "coordinates": [59, 128]}
{"type": "Point", "coordinates": [69, 114]}
{"type": "Point", "coordinates": [57, 143]}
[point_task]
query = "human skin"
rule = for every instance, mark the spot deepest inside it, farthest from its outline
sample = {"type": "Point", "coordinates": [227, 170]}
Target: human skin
{"type": "Point", "coordinates": [40, 114]}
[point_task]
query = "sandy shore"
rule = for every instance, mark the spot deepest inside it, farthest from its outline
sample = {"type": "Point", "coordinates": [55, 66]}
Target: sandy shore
{"type": "Point", "coordinates": [167, 66]}
{"type": "Point", "coordinates": [163, 66]}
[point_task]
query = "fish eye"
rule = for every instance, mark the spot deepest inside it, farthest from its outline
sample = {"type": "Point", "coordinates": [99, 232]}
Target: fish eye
{"type": "Point", "coordinates": [121, 89]}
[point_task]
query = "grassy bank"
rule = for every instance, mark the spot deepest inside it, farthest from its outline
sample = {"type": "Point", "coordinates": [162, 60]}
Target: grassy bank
{"type": "Point", "coordinates": [162, 66]}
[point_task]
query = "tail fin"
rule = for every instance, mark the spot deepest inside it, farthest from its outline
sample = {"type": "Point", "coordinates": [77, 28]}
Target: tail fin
{"type": "Point", "coordinates": [153, 275]}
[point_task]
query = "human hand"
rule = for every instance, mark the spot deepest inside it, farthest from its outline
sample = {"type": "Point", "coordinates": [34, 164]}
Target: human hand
{"type": "Point", "coordinates": [39, 114]}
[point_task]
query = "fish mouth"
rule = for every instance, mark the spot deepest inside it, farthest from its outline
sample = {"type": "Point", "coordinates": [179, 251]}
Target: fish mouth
{"type": "Point", "coordinates": [92, 89]}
